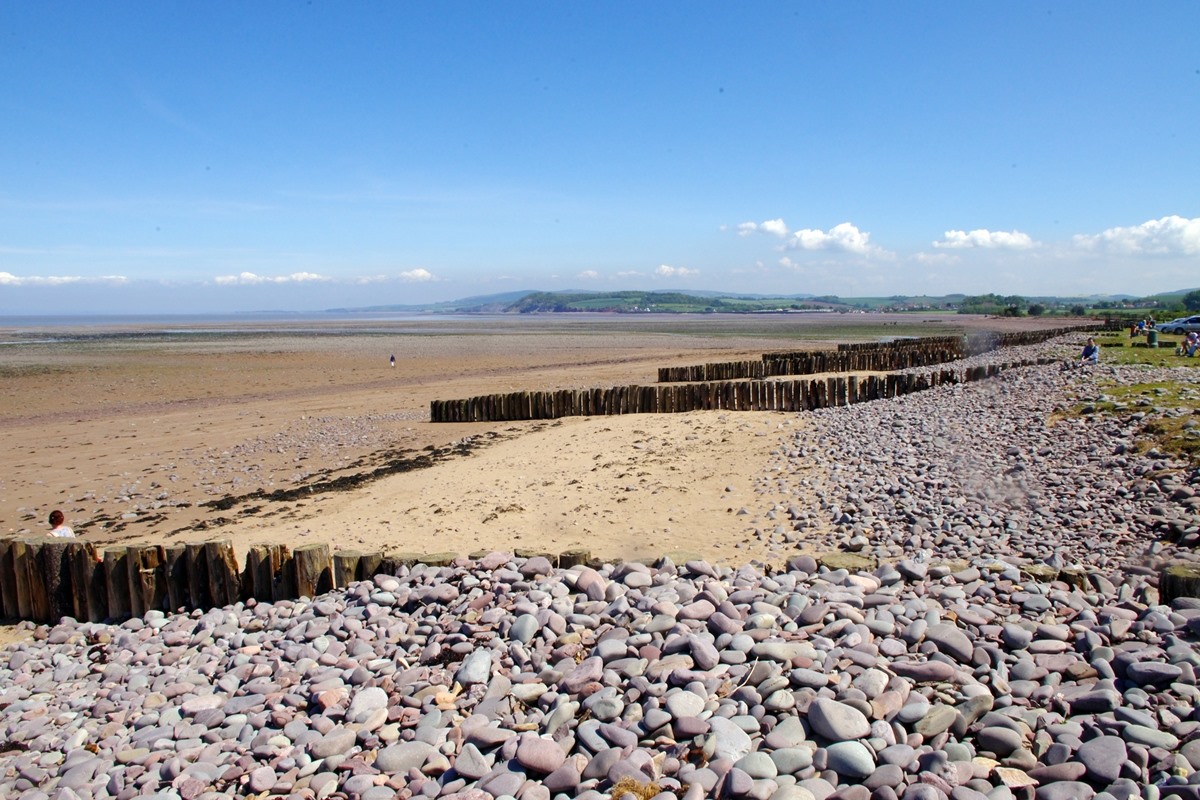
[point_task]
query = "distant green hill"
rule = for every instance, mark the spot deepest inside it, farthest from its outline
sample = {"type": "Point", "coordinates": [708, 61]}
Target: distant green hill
{"type": "Point", "coordinates": [658, 302]}
{"type": "Point", "coordinates": [663, 302]}
{"type": "Point", "coordinates": [490, 303]}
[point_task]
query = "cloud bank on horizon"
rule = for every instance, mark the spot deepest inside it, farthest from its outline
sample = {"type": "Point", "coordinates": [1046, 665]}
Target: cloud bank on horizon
{"type": "Point", "coordinates": [193, 160]}
{"type": "Point", "coordinates": [1168, 237]}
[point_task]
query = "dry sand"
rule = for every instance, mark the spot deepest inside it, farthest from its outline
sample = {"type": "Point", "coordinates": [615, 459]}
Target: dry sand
{"type": "Point", "coordinates": [132, 433]}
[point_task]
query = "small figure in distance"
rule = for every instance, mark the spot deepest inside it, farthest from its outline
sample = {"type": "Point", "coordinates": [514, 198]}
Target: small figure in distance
{"type": "Point", "coordinates": [393, 361]}
{"type": "Point", "coordinates": [1090, 354]}
{"type": "Point", "coordinates": [1188, 346]}
{"type": "Point", "coordinates": [59, 527]}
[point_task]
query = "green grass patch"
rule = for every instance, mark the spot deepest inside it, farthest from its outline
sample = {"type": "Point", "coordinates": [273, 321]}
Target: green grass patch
{"type": "Point", "coordinates": [1174, 425]}
{"type": "Point", "coordinates": [1120, 349]}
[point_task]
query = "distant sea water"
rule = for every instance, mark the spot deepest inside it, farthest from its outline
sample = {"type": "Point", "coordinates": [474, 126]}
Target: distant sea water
{"type": "Point", "coordinates": [20, 329]}
{"type": "Point", "coordinates": [173, 321]}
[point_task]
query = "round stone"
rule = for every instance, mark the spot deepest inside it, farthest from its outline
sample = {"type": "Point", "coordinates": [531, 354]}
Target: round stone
{"type": "Point", "coordinates": [539, 754]}
{"type": "Point", "coordinates": [1103, 757]}
{"type": "Point", "coordinates": [476, 668]}
{"type": "Point", "coordinates": [851, 759]}
{"type": "Point", "coordinates": [836, 721]}
{"type": "Point", "coordinates": [684, 704]}
{"type": "Point", "coordinates": [400, 758]}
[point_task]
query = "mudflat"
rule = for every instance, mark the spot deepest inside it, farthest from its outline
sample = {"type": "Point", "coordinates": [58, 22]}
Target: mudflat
{"type": "Point", "coordinates": [304, 432]}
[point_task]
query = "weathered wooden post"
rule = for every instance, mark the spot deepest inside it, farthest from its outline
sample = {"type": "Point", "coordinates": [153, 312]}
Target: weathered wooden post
{"type": "Point", "coordinates": [54, 571]}
{"type": "Point", "coordinates": [345, 567]}
{"type": "Point", "coordinates": [314, 569]}
{"type": "Point", "coordinates": [224, 586]}
{"type": "Point", "coordinates": [30, 597]}
{"type": "Point", "coordinates": [197, 576]}
{"type": "Point", "coordinates": [147, 586]}
{"type": "Point", "coordinates": [369, 566]}
{"type": "Point", "coordinates": [87, 576]}
{"type": "Point", "coordinates": [265, 576]}
{"type": "Point", "coordinates": [116, 576]}
{"type": "Point", "coordinates": [175, 573]}
{"type": "Point", "coordinates": [8, 581]}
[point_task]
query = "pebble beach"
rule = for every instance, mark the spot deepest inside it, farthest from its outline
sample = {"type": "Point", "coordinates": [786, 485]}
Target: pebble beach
{"type": "Point", "coordinates": [994, 629]}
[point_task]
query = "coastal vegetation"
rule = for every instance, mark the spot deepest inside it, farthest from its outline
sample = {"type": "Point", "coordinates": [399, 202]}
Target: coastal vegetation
{"type": "Point", "coordinates": [689, 302]}
{"type": "Point", "coordinates": [1173, 405]}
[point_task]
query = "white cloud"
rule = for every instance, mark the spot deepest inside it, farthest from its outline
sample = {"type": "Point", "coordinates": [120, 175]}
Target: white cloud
{"type": "Point", "coordinates": [775, 227]}
{"type": "Point", "coordinates": [675, 272]}
{"type": "Point", "coordinates": [250, 279]}
{"type": "Point", "coordinates": [417, 275]}
{"type": "Point", "coordinates": [845, 237]}
{"type": "Point", "coordinates": [1008, 240]}
{"type": "Point", "coordinates": [1173, 235]}
{"type": "Point", "coordinates": [629, 273]}
{"type": "Point", "coordinates": [588, 275]}
{"type": "Point", "coordinates": [8, 279]}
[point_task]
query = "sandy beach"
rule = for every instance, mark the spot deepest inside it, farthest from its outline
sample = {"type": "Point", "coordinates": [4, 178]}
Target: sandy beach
{"type": "Point", "coordinates": [172, 435]}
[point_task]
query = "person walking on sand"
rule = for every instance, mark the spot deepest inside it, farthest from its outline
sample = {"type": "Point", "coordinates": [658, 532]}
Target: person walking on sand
{"type": "Point", "coordinates": [393, 361]}
{"type": "Point", "coordinates": [59, 526]}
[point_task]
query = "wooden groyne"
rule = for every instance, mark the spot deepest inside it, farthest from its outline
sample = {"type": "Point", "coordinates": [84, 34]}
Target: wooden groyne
{"type": "Point", "coordinates": [863, 356]}
{"type": "Point", "coordinates": [43, 579]}
{"type": "Point", "coordinates": [752, 395]}
{"type": "Point", "coordinates": [896, 344]}
{"type": "Point", "coordinates": [882, 360]}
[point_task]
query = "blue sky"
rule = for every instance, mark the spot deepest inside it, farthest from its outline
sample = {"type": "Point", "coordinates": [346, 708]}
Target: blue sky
{"type": "Point", "coordinates": [189, 157]}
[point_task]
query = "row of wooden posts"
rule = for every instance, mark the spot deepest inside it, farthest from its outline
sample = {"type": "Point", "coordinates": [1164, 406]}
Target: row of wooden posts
{"type": "Point", "coordinates": [776, 395]}
{"type": "Point", "coordinates": [894, 344]}
{"type": "Point", "coordinates": [43, 579]}
{"type": "Point", "coordinates": [861, 357]}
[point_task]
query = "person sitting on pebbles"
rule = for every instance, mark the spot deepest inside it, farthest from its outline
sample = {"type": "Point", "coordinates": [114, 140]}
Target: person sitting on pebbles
{"type": "Point", "coordinates": [1090, 354]}
{"type": "Point", "coordinates": [59, 526]}
{"type": "Point", "coordinates": [1190, 343]}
